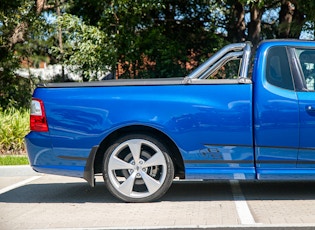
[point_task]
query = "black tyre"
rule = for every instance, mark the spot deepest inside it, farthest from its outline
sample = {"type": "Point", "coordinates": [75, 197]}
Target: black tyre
{"type": "Point", "coordinates": [138, 168]}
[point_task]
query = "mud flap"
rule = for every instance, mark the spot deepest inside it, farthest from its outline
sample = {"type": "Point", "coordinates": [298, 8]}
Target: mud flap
{"type": "Point", "coordinates": [89, 167]}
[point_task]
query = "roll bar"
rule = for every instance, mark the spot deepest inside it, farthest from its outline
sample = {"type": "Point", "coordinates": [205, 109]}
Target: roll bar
{"type": "Point", "coordinates": [229, 52]}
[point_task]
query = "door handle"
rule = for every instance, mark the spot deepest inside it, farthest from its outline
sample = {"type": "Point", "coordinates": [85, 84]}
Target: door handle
{"type": "Point", "coordinates": [310, 108]}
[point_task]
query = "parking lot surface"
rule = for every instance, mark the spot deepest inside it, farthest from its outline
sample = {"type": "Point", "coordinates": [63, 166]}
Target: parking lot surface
{"type": "Point", "coordinates": [29, 200]}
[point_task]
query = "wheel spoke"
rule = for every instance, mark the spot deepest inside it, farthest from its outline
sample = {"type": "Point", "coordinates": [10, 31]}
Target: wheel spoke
{"type": "Point", "coordinates": [127, 186]}
{"type": "Point", "coordinates": [116, 163]}
{"type": "Point", "coordinates": [152, 184]}
{"type": "Point", "coordinates": [156, 159]}
{"type": "Point", "coordinates": [135, 148]}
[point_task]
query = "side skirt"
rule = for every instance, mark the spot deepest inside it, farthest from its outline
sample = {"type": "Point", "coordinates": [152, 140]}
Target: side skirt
{"type": "Point", "coordinates": [286, 174]}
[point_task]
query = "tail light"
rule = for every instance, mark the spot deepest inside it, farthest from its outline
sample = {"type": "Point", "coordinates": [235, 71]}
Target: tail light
{"type": "Point", "coordinates": [38, 121]}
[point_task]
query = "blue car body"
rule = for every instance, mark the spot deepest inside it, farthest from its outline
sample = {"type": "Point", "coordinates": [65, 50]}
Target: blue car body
{"type": "Point", "coordinates": [221, 129]}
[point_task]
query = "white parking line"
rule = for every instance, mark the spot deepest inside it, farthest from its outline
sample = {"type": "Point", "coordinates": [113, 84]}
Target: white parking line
{"type": "Point", "coordinates": [242, 208]}
{"type": "Point", "coordinates": [19, 184]}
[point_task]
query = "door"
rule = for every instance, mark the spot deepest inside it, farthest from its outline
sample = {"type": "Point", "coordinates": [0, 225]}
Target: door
{"type": "Point", "coordinates": [306, 96]}
{"type": "Point", "coordinates": [276, 115]}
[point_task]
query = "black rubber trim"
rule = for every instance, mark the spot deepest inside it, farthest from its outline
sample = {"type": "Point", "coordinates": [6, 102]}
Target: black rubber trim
{"type": "Point", "coordinates": [89, 167]}
{"type": "Point", "coordinates": [219, 161]}
{"type": "Point", "coordinates": [120, 82]}
{"type": "Point", "coordinates": [141, 82]}
{"type": "Point", "coordinates": [73, 158]}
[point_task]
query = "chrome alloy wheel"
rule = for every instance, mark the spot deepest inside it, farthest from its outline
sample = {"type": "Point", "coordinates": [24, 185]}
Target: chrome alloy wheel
{"type": "Point", "coordinates": [137, 170]}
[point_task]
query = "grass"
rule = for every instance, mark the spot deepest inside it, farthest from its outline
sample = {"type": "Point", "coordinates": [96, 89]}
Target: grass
{"type": "Point", "coordinates": [14, 126]}
{"type": "Point", "coordinates": [13, 160]}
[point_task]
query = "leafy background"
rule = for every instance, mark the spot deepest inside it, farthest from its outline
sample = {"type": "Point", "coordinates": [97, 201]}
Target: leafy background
{"type": "Point", "coordinates": [129, 38]}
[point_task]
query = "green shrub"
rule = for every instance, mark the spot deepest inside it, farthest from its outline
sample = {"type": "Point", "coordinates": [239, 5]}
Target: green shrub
{"type": "Point", "coordinates": [14, 126]}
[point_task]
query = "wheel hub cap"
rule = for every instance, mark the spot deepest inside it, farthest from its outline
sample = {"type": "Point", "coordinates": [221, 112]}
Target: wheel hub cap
{"type": "Point", "coordinates": [138, 168]}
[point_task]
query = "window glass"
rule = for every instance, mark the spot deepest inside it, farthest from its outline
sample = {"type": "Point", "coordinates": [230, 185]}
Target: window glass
{"type": "Point", "coordinates": [278, 69]}
{"type": "Point", "coordinates": [307, 62]}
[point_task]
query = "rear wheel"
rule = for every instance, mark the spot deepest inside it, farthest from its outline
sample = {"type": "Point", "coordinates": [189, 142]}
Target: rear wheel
{"type": "Point", "coordinates": [137, 168]}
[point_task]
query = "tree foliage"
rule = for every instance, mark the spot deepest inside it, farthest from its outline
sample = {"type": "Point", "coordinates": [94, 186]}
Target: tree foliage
{"type": "Point", "coordinates": [135, 39]}
{"type": "Point", "coordinates": [88, 49]}
{"type": "Point", "coordinates": [23, 32]}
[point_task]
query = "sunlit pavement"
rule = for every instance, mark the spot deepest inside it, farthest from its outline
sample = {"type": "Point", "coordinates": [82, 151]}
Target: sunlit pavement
{"type": "Point", "coordinates": [29, 200]}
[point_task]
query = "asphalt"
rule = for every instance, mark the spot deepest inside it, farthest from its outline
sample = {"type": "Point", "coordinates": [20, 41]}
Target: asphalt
{"type": "Point", "coordinates": [29, 200]}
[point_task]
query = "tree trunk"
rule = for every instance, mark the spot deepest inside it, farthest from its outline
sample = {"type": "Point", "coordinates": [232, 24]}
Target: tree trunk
{"type": "Point", "coordinates": [19, 32]}
{"type": "Point", "coordinates": [41, 5]}
{"type": "Point", "coordinates": [57, 3]}
{"type": "Point", "coordinates": [236, 32]}
{"type": "Point", "coordinates": [285, 18]}
{"type": "Point", "coordinates": [291, 20]}
{"type": "Point", "coordinates": [297, 21]}
{"type": "Point", "coordinates": [254, 26]}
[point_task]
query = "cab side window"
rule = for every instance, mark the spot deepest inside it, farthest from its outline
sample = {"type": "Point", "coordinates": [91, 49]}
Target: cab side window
{"type": "Point", "coordinates": [307, 63]}
{"type": "Point", "coordinates": [278, 71]}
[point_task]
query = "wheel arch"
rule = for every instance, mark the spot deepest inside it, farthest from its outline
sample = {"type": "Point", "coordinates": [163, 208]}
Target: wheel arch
{"type": "Point", "coordinates": [174, 151]}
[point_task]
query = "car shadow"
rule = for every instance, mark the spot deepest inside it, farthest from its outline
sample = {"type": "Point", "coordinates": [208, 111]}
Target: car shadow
{"type": "Point", "coordinates": [180, 191]}
{"type": "Point", "coordinates": [278, 190]}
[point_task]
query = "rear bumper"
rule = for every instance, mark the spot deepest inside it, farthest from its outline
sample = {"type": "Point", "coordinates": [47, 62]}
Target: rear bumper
{"type": "Point", "coordinates": [44, 159]}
